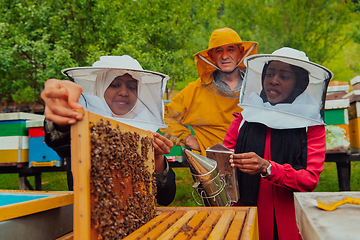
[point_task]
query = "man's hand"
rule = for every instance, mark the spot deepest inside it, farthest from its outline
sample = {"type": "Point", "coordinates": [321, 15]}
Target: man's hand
{"type": "Point", "coordinates": [162, 146]}
{"type": "Point", "coordinates": [249, 163]}
{"type": "Point", "coordinates": [61, 97]}
{"type": "Point", "coordinates": [192, 143]}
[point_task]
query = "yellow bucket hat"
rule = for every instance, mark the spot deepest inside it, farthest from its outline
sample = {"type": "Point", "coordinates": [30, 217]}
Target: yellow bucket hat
{"type": "Point", "coordinates": [225, 36]}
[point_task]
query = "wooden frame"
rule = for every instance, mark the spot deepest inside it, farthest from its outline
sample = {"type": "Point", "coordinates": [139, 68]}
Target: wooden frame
{"type": "Point", "coordinates": [81, 165]}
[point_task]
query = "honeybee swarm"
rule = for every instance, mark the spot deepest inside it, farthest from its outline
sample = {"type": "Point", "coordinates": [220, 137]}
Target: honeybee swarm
{"type": "Point", "coordinates": [122, 187]}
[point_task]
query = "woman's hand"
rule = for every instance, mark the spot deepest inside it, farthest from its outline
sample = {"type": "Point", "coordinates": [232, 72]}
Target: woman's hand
{"type": "Point", "coordinates": [192, 143]}
{"type": "Point", "coordinates": [162, 146]}
{"type": "Point", "coordinates": [249, 163]}
{"type": "Point", "coordinates": [60, 97]}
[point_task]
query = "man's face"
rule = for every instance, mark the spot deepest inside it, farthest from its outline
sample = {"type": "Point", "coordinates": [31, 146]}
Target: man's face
{"type": "Point", "coordinates": [226, 57]}
{"type": "Point", "coordinates": [121, 95]}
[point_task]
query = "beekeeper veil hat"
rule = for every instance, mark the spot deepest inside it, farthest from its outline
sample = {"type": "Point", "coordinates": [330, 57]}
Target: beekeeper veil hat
{"type": "Point", "coordinates": [305, 108]}
{"type": "Point", "coordinates": [148, 112]}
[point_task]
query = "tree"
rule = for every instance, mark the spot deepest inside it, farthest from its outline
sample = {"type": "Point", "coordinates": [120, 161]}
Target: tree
{"type": "Point", "coordinates": [39, 38]}
{"type": "Point", "coordinates": [320, 28]}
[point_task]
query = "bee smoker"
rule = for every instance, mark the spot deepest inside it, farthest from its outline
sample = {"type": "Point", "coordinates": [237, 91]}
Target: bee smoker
{"type": "Point", "coordinates": [221, 155]}
{"type": "Point", "coordinates": [209, 185]}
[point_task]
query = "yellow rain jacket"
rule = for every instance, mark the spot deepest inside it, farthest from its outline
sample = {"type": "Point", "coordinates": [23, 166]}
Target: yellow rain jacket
{"type": "Point", "coordinates": [200, 104]}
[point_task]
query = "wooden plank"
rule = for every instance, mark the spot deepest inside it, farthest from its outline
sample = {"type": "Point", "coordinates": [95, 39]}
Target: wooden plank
{"type": "Point", "coordinates": [205, 228]}
{"type": "Point", "coordinates": [160, 209]}
{"type": "Point", "coordinates": [13, 128]}
{"type": "Point", "coordinates": [80, 167]}
{"type": "Point", "coordinates": [14, 142]}
{"type": "Point", "coordinates": [149, 226]}
{"type": "Point", "coordinates": [157, 231]}
{"type": "Point", "coordinates": [12, 156]}
{"type": "Point", "coordinates": [222, 225]}
{"type": "Point", "coordinates": [192, 226]}
{"type": "Point", "coordinates": [250, 229]}
{"type": "Point", "coordinates": [236, 226]}
{"type": "Point", "coordinates": [335, 116]}
{"type": "Point", "coordinates": [175, 228]}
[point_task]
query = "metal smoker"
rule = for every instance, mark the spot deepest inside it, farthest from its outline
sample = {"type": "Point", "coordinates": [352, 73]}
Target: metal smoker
{"type": "Point", "coordinates": [209, 185]}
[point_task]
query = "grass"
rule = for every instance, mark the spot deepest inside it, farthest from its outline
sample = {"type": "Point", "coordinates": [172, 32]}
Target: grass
{"type": "Point", "coordinates": [328, 181]}
{"type": "Point", "coordinates": [56, 181]}
{"type": "Point", "coordinates": [51, 181]}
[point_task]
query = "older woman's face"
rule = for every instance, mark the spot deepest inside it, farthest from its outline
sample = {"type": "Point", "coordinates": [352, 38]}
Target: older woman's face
{"type": "Point", "coordinates": [121, 95]}
{"type": "Point", "coordinates": [279, 82]}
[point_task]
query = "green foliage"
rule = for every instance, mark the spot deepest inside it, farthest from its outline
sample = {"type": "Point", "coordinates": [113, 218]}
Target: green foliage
{"type": "Point", "coordinates": [39, 38]}
{"type": "Point", "coordinates": [319, 28]}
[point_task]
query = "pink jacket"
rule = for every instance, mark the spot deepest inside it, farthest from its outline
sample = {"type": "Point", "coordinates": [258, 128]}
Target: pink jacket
{"type": "Point", "coordinates": [276, 191]}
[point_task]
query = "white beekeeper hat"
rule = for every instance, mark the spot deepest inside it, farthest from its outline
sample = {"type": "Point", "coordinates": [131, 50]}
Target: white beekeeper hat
{"type": "Point", "coordinates": [306, 110]}
{"type": "Point", "coordinates": [149, 107]}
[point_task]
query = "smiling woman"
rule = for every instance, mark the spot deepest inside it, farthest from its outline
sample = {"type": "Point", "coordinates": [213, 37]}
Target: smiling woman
{"type": "Point", "coordinates": [117, 86]}
{"type": "Point", "coordinates": [121, 95]}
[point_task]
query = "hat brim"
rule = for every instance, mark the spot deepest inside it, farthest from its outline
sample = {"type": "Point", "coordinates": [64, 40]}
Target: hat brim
{"type": "Point", "coordinates": [317, 73]}
{"type": "Point", "coordinates": [246, 46]}
{"type": "Point", "coordinates": [90, 73]}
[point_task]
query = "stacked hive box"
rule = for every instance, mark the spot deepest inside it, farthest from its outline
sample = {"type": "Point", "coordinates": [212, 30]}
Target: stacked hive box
{"type": "Point", "coordinates": [337, 120]}
{"type": "Point", "coordinates": [354, 115]}
{"type": "Point", "coordinates": [40, 155]}
{"type": "Point", "coordinates": [114, 178]}
{"type": "Point", "coordinates": [14, 139]}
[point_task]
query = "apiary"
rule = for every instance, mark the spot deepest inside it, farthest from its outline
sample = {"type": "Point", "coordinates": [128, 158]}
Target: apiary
{"type": "Point", "coordinates": [35, 214]}
{"type": "Point", "coordinates": [115, 187]}
{"type": "Point", "coordinates": [40, 155]}
{"type": "Point", "coordinates": [14, 139]}
{"type": "Point", "coordinates": [114, 178]}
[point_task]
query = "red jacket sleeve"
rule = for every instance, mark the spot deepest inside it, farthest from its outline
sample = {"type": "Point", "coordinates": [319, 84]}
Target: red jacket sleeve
{"type": "Point", "coordinates": [303, 180]}
{"type": "Point", "coordinates": [232, 133]}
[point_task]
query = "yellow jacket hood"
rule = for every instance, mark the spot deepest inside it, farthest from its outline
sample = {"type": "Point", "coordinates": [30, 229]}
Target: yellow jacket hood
{"type": "Point", "coordinates": [224, 36]}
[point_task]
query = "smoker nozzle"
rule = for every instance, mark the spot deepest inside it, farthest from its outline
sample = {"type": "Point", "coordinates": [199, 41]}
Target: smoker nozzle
{"type": "Point", "coordinates": [210, 187]}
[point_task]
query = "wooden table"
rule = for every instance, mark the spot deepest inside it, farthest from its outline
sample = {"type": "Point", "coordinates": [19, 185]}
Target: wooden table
{"type": "Point", "coordinates": [315, 223]}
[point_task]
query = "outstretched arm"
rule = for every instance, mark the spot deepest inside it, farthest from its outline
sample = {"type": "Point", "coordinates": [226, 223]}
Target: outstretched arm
{"type": "Point", "coordinates": [61, 97]}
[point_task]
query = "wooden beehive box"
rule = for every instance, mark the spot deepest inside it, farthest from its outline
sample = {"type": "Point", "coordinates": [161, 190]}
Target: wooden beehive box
{"type": "Point", "coordinates": [14, 139]}
{"type": "Point", "coordinates": [40, 155]}
{"type": "Point", "coordinates": [198, 223]}
{"type": "Point", "coordinates": [35, 214]}
{"type": "Point", "coordinates": [114, 178]}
